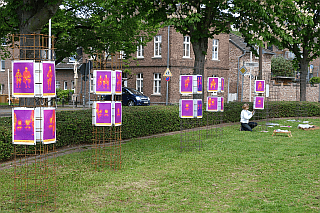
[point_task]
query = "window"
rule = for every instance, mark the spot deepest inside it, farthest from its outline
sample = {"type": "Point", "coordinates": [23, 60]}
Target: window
{"type": "Point", "coordinates": [139, 84]}
{"type": "Point", "coordinates": [57, 84]}
{"type": "Point", "coordinates": [65, 85]}
{"type": "Point", "coordinates": [124, 79]}
{"type": "Point", "coordinates": [4, 42]}
{"type": "Point", "coordinates": [140, 50]}
{"type": "Point", "coordinates": [215, 47]}
{"type": "Point", "coordinates": [186, 47]}
{"type": "Point", "coordinates": [122, 55]}
{"type": "Point", "coordinates": [72, 85]}
{"type": "Point", "coordinates": [157, 46]}
{"type": "Point", "coordinates": [3, 65]}
{"type": "Point", "coordinates": [1, 88]}
{"type": "Point", "coordinates": [157, 83]}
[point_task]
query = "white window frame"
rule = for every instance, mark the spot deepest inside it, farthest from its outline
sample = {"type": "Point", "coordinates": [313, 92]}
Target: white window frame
{"type": "Point", "coordinates": [140, 49]}
{"type": "Point", "coordinates": [157, 46]}
{"type": "Point", "coordinates": [65, 85]}
{"type": "Point", "coordinates": [139, 82]}
{"type": "Point", "coordinates": [1, 88]}
{"type": "Point", "coordinates": [124, 79]}
{"type": "Point", "coordinates": [186, 47]}
{"type": "Point", "coordinates": [57, 84]}
{"type": "Point", "coordinates": [3, 68]}
{"type": "Point", "coordinates": [157, 83]}
{"type": "Point", "coordinates": [215, 49]}
{"type": "Point", "coordinates": [122, 54]}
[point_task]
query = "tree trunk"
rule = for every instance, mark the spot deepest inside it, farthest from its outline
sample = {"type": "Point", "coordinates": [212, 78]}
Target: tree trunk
{"type": "Point", "coordinates": [200, 48]}
{"type": "Point", "coordinates": [303, 79]}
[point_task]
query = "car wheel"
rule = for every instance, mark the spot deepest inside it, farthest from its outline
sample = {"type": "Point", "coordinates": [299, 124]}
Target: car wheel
{"type": "Point", "coordinates": [130, 103]}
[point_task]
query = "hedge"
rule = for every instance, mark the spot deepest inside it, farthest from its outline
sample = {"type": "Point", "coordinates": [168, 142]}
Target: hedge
{"type": "Point", "coordinates": [75, 127]}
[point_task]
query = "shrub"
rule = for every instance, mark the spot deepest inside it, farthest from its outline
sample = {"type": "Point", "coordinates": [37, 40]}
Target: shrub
{"type": "Point", "coordinates": [281, 67]}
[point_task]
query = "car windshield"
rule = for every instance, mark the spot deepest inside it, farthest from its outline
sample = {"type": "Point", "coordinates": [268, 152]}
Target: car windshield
{"type": "Point", "coordinates": [134, 91]}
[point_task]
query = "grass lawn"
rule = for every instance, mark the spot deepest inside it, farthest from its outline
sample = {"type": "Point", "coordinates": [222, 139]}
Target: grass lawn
{"type": "Point", "coordinates": [240, 172]}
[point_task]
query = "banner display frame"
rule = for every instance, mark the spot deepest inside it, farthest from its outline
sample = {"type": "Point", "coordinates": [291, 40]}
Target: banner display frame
{"type": "Point", "coordinates": [23, 120]}
{"type": "Point", "coordinates": [22, 78]}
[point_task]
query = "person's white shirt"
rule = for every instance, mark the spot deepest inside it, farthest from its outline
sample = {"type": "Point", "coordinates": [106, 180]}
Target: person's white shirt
{"type": "Point", "coordinates": [245, 116]}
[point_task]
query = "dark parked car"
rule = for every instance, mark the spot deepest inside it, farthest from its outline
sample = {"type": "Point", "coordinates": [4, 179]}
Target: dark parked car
{"type": "Point", "coordinates": [131, 97]}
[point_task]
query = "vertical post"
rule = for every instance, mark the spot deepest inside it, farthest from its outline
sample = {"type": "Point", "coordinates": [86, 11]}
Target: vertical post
{"type": "Point", "coordinates": [49, 54]}
{"type": "Point", "coordinates": [168, 60]}
{"type": "Point", "coordinates": [9, 86]}
{"type": "Point", "coordinates": [250, 78]}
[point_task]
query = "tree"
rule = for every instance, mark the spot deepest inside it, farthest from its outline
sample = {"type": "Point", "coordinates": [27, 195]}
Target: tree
{"type": "Point", "coordinates": [98, 27]}
{"type": "Point", "coordinates": [94, 25]}
{"type": "Point", "coordinates": [281, 67]}
{"type": "Point", "coordinates": [200, 19]}
{"type": "Point", "coordinates": [286, 24]}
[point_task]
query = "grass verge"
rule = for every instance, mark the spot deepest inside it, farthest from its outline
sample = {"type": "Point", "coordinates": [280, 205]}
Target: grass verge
{"type": "Point", "coordinates": [239, 172]}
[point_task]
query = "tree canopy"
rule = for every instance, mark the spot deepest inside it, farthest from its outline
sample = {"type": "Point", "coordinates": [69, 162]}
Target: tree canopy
{"type": "Point", "coordinates": [94, 25]}
{"type": "Point", "coordinates": [287, 24]}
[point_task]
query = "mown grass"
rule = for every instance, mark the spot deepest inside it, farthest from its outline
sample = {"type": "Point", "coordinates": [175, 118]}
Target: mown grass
{"type": "Point", "coordinates": [238, 172]}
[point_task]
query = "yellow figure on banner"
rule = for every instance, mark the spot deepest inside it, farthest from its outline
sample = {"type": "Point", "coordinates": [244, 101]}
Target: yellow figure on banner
{"type": "Point", "coordinates": [187, 107]}
{"type": "Point", "coordinates": [19, 125]}
{"type": "Point", "coordinates": [186, 83]}
{"type": "Point", "coordinates": [118, 112]}
{"type": "Point", "coordinates": [52, 123]}
{"type": "Point", "coordinates": [259, 102]}
{"type": "Point", "coordinates": [14, 123]}
{"type": "Point", "coordinates": [49, 76]}
{"type": "Point", "coordinates": [259, 85]}
{"type": "Point", "coordinates": [106, 81]}
{"type": "Point", "coordinates": [18, 78]}
{"type": "Point", "coordinates": [213, 84]}
{"type": "Point", "coordinates": [119, 82]}
{"type": "Point", "coordinates": [98, 111]}
{"type": "Point", "coordinates": [211, 102]}
{"type": "Point", "coordinates": [106, 113]}
{"type": "Point", "coordinates": [100, 81]}
{"type": "Point", "coordinates": [222, 83]}
{"type": "Point", "coordinates": [26, 77]}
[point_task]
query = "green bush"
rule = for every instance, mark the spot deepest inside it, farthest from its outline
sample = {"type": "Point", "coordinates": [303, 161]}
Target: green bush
{"type": "Point", "coordinates": [314, 80]}
{"type": "Point", "coordinates": [281, 67]}
{"type": "Point", "coordinates": [75, 127]}
{"type": "Point", "coordinates": [64, 94]}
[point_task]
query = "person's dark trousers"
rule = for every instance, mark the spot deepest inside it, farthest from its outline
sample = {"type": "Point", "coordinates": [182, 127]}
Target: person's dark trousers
{"type": "Point", "coordinates": [249, 126]}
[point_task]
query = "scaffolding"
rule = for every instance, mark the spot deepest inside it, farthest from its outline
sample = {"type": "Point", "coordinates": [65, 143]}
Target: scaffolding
{"type": "Point", "coordinates": [107, 139]}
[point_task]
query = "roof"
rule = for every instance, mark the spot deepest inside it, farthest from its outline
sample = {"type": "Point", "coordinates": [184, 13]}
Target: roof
{"type": "Point", "coordinates": [66, 65]}
{"type": "Point", "coordinates": [242, 45]}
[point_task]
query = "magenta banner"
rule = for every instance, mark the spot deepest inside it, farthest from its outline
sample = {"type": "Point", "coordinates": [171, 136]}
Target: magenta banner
{"type": "Point", "coordinates": [186, 108]}
{"type": "Point", "coordinates": [212, 104]}
{"type": "Point", "coordinates": [199, 110]}
{"type": "Point", "coordinates": [49, 126]}
{"type": "Point", "coordinates": [49, 79]}
{"type": "Point", "coordinates": [103, 81]}
{"type": "Point", "coordinates": [103, 113]}
{"type": "Point", "coordinates": [23, 78]}
{"type": "Point", "coordinates": [118, 114]}
{"type": "Point", "coordinates": [23, 131]}
{"type": "Point", "coordinates": [118, 86]}
{"type": "Point", "coordinates": [259, 86]}
{"type": "Point", "coordinates": [222, 84]}
{"type": "Point", "coordinates": [213, 84]}
{"type": "Point", "coordinates": [186, 82]}
{"type": "Point", "coordinates": [258, 102]}
{"type": "Point", "coordinates": [221, 104]}
{"type": "Point", "coordinates": [199, 83]}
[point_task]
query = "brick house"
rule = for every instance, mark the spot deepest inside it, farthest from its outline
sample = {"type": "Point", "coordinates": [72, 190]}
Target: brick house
{"type": "Point", "coordinates": [179, 58]}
